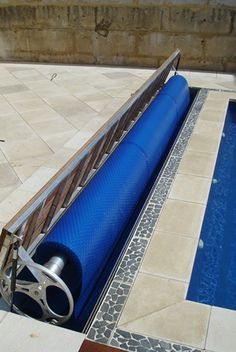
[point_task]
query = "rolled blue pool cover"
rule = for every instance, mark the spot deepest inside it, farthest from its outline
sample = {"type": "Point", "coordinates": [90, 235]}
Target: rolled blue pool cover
{"type": "Point", "coordinates": [89, 230]}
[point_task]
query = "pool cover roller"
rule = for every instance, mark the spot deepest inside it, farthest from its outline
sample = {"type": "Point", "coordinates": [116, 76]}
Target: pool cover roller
{"type": "Point", "coordinates": [89, 230]}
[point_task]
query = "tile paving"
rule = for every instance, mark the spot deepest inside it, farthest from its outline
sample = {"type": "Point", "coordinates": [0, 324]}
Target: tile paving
{"type": "Point", "coordinates": [77, 101]}
{"type": "Point", "coordinates": [44, 121]}
{"type": "Point", "coordinates": [21, 334]}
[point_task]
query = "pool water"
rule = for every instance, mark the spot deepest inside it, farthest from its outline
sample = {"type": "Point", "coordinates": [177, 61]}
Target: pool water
{"type": "Point", "coordinates": [213, 279]}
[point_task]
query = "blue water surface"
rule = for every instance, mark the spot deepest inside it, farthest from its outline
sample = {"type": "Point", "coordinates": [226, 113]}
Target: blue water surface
{"type": "Point", "coordinates": [213, 278]}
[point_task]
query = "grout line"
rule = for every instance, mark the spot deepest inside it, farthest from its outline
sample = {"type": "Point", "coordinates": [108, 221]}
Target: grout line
{"type": "Point", "coordinates": [151, 313]}
{"type": "Point", "coordinates": [173, 233]}
{"type": "Point", "coordinates": [189, 201]}
{"type": "Point", "coordinates": [4, 316]}
{"type": "Point", "coordinates": [28, 123]}
{"type": "Point", "coordinates": [45, 102]}
{"type": "Point", "coordinates": [186, 282]}
{"type": "Point", "coordinates": [9, 164]}
{"type": "Point", "coordinates": [194, 175]}
{"type": "Point", "coordinates": [208, 327]}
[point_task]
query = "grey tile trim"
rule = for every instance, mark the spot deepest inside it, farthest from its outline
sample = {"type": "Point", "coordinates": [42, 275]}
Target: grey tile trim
{"type": "Point", "coordinates": [135, 342]}
{"type": "Point", "coordinates": [109, 312]}
{"type": "Point", "coordinates": [131, 261]}
{"type": "Point", "coordinates": [103, 328]}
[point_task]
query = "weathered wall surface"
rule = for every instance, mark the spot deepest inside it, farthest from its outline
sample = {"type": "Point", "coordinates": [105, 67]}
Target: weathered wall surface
{"type": "Point", "coordinates": [126, 32]}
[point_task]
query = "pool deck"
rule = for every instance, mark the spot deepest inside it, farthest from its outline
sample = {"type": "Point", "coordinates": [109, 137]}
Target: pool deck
{"type": "Point", "coordinates": [44, 122]}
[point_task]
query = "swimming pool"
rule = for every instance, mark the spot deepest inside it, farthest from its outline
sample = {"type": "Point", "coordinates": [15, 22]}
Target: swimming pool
{"type": "Point", "coordinates": [213, 279]}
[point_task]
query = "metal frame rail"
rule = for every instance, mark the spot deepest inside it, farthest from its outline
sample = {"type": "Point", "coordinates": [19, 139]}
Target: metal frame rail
{"type": "Point", "coordinates": [33, 222]}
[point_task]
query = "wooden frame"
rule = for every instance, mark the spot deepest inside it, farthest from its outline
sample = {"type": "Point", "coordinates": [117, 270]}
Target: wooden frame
{"type": "Point", "coordinates": [33, 222]}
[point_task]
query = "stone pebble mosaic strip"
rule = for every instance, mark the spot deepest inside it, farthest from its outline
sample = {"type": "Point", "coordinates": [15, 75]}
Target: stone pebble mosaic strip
{"type": "Point", "coordinates": [103, 328]}
{"type": "Point", "coordinates": [109, 312]}
{"type": "Point", "coordinates": [131, 261]}
{"type": "Point", "coordinates": [139, 343]}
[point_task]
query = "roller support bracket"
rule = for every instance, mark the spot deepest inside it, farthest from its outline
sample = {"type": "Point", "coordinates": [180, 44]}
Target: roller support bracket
{"type": "Point", "coordinates": [37, 290]}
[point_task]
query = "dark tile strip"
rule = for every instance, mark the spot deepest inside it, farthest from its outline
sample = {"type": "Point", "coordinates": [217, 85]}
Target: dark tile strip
{"type": "Point", "coordinates": [103, 328]}
{"type": "Point", "coordinates": [109, 312]}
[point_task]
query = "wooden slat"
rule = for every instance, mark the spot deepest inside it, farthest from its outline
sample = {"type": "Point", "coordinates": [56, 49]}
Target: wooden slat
{"type": "Point", "coordinates": [89, 167]}
{"type": "Point", "coordinates": [76, 180]}
{"type": "Point", "coordinates": [133, 114]}
{"type": "Point", "coordinates": [100, 151]}
{"type": "Point", "coordinates": [64, 192]}
{"type": "Point", "coordinates": [38, 227]}
{"type": "Point", "coordinates": [125, 120]}
{"type": "Point", "coordinates": [107, 140]}
{"type": "Point", "coordinates": [31, 225]}
{"type": "Point", "coordinates": [53, 207]}
{"type": "Point", "coordinates": [5, 239]}
{"type": "Point", "coordinates": [114, 138]}
{"type": "Point", "coordinates": [45, 210]}
{"type": "Point", "coordinates": [95, 153]}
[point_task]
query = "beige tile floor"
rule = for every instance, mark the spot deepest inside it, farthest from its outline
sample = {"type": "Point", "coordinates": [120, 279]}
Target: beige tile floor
{"type": "Point", "coordinates": [21, 334]}
{"type": "Point", "coordinates": [157, 306]}
{"type": "Point", "coordinates": [45, 121]}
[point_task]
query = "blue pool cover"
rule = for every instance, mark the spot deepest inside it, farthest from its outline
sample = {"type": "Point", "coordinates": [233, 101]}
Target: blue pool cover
{"type": "Point", "coordinates": [213, 279]}
{"type": "Point", "coordinates": [89, 230]}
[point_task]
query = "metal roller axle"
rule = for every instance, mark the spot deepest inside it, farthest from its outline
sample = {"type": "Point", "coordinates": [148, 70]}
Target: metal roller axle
{"type": "Point", "coordinates": [56, 264]}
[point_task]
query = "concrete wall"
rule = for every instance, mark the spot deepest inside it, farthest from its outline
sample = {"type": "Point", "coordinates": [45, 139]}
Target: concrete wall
{"type": "Point", "coordinates": [126, 32]}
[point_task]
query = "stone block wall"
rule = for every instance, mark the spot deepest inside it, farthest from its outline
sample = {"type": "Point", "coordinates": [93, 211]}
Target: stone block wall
{"type": "Point", "coordinates": [120, 32]}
